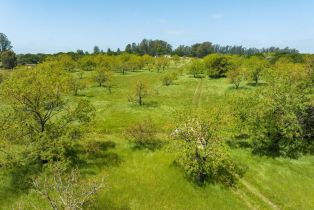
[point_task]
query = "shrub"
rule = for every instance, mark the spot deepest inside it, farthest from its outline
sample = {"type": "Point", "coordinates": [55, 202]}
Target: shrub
{"type": "Point", "coordinates": [197, 68]}
{"type": "Point", "coordinates": [142, 133]}
{"type": "Point", "coordinates": [169, 78]}
{"type": "Point", "coordinates": [8, 59]}
{"type": "Point", "coordinates": [217, 65]}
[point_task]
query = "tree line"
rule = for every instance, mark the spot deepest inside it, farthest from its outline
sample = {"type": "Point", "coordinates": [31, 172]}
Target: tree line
{"type": "Point", "coordinates": [146, 47]}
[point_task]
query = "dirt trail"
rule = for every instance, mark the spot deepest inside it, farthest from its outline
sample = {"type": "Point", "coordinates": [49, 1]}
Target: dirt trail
{"type": "Point", "coordinates": [257, 193]}
{"type": "Point", "coordinates": [244, 198]}
{"type": "Point", "coordinates": [197, 94]}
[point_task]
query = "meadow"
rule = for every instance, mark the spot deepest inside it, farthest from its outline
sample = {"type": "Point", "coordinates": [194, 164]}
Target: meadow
{"type": "Point", "coordinates": [145, 179]}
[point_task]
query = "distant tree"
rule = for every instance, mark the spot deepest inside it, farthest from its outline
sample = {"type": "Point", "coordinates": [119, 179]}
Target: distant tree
{"type": "Point", "coordinates": [168, 78]}
{"type": "Point", "coordinates": [109, 52]}
{"type": "Point", "coordinates": [80, 52]}
{"type": "Point", "coordinates": [124, 63]}
{"type": "Point", "coordinates": [23, 59]}
{"type": "Point", "coordinates": [217, 65]}
{"type": "Point", "coordinates": [96, 50]}
{"type": "Point", "coordinates": [255, 68]}
{"type": "Point", "coordinates": [5, 44]}
{"type": "Point", "coordinates": [196, 68]}
{"type": "Point", "coordinates": [200, 50]}
{"type": "Point", "coordinates": [147, 61]}
{"type": "Point", "coordinates": [140, 91]}
{"type": "Point", "coordinates": [87, 63]}
{"type": "Point", "coordinates": [150, 47]}
{"type": "Point", "coordinates": [161, 63]}
{"type": "Point", "coordinates": [236, 76]}
{"type": "Point", "coordinates": [77, 85]}
{"type": "Point", "coordinates": [9, 60]}
{"type": "Point", "coordinates": [66, 62]}
{"type": "Point", "coordinates": [183, 51]}
{"type": "Point", "coordinates": [100, 76]}
{"type": "Point", "coordinates": [109, 82]}
{"type": "Point", "coordinates": [128, 48]}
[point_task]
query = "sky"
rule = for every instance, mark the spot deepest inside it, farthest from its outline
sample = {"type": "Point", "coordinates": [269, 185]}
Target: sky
{"type": "Point", "coordinates": [50, 26]}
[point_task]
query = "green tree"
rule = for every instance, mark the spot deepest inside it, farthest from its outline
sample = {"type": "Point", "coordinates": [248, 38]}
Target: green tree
{"type": "Point", "coordinates": [217, 65]}
{"type": "Point", "coordinates": [161, 63]}
{"type": "Point", "coordinates": [5, 44]}
{"type": "Point", "coordinates": [77, 85]}
{"type": "Point", "coordinates": [38, 121]}
{"type": "Point", "coordinates": [200, 50]}
{"type": "Point", "coordinates": [204, 156]}
{"type": "Point", "coordinates": [236, 73]}
{"type": "Point", "coordinates": [87, 63]}
{"type": "Point", "coordinates": [197, 68]}
{"type": "Point", "coordinates": [100, 76]}
{"type": "Point", "coordinates": [140, 91]}
{"type": "Point", "coordinates": [66, 62]}
{"type": "Point", "coordinates": [8, 59]}
{"type": "Point", "coordinates": [96, 50]}
{"type": "Point", "coordinates": [142, 133]}
{"type": "Point", "coordinates": [255, 68]}
{"type": "Point", "coordinates": [168, 78]}
{"type": "Point", "coordinates": [273, 112]}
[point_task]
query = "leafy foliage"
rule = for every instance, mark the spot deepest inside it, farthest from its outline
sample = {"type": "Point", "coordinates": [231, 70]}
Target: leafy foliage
{"type": "Point", "coordinates": [8, 59]}
{"type": "Point", "coordinates": [41, 123]}
{"type": "Point", "coordinates": [205, 156]}
{"type": "Point", "coordinates": [143, 133]}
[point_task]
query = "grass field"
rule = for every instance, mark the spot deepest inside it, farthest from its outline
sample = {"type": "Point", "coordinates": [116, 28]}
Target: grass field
{"type": "Point", "coordinates": [143, 179]}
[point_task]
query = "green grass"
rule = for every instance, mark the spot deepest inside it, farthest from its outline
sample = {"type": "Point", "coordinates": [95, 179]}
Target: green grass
{"type": "Point", "coordinates": [144, 179]}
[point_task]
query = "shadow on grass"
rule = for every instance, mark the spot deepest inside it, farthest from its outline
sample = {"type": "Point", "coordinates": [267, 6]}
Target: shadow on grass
{"type": "Point", "coordinates": [153, 104]}
{"type": "Point", "coordinates": [197, 76]}
{"type": "Point", "coordinates": [105, 203]}
{"type": "Point", "coordinates": [97, 154]}
{"type": "Point", "coordinates": [16, 181]}
{"type": "Point", "coordinates": [232, 88]}
{"type": "Point", "coordinates": [253, 84]}
{"type": "Point", "coordinates": [146, 104]}
{"type": "Point", "coordinates": [152, 145]}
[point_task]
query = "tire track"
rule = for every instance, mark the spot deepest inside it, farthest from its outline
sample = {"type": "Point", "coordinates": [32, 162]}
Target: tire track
{"type": "Point", "coordinates": [258, 194]}
{"type": "Point", "coordinates": [197, 94]}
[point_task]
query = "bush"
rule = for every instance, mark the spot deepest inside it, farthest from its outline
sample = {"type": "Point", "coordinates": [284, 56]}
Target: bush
{"type": "Point", "coordinates": [217, 65]}
{"type": "Point", "coordinates": [197, 68]}
{"type": "Point", "coordinates": [142, 133]}
{"type": "Point", "coordinates": [169, 78]}
{"type": "Point", "coordinates": [8, 59]}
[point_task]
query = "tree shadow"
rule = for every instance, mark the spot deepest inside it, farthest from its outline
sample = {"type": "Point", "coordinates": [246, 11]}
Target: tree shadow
{"type": "Point", "coordinates": [17, 181]}
{"type": "Point", "coordinates": [253, 84]}
{"type": "Point", "coordinates": [232, 88]}
{"type": "Point", "coordinates": [97, 154]}
{"type": "Point", "coordinates": [153, 104]}
{"type": "Point", "coordinates": [151, 145]}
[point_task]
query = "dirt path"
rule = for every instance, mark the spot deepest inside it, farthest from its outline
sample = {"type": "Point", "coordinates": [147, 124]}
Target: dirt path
{"type": "Point", "coordinates": [244, 198]}
{"type": "Point", "coordinates": [257, 193]}
{"type": "Point", "coordinates": [197, 94]}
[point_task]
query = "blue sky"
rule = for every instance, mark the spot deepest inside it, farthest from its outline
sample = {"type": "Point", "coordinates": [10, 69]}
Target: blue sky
{"type": "Point", "coordinates": [67, 25]}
